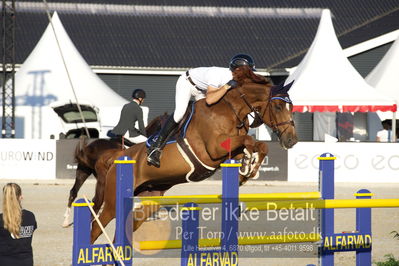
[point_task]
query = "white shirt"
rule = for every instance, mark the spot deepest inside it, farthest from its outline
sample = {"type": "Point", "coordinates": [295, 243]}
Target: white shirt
{"type": "Point", "coordinates": [210, 76]}
{"type": "Point", "coordinates": [383, 135]}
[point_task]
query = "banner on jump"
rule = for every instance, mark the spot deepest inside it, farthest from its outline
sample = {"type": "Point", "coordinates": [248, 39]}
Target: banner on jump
{"type": "Point", "coordinates": [356, 162]}
{"type": "Point", "coordinates": [27, 159]}
{"type": "Point", "coordinates": [66, 165]}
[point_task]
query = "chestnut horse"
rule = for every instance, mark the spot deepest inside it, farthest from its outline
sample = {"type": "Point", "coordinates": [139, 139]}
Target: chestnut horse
{"type": "Point", "coordinates": [86, 156]}
{"type": "Point", "coordinates": [209, 127]}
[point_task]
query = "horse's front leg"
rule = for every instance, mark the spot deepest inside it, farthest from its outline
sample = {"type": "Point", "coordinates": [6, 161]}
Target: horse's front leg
{"type": "Point", "coordinates": [252, 156]}
{"type": "Point", "coordinates": [262, 150]}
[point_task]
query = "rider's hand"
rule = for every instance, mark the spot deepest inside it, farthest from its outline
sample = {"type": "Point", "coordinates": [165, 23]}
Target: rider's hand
{"type": "Point", "coordinates": [232, 83]}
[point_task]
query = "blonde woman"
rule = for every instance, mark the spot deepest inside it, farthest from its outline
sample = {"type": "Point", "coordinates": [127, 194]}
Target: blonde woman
{"type": "Point", "coordinates": [16, 229]}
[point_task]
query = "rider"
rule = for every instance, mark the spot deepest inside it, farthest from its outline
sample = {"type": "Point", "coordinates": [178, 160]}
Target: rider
{"type": "Point", "coordinates": [210, 83]}
{"type": "Point", "coordinates": [131, 112]}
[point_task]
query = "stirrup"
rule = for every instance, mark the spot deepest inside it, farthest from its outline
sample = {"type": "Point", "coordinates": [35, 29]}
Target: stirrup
{"type": "Point", "coordinates": [150, 152]}
{"type": "Point", "coordinates": [154, 161]}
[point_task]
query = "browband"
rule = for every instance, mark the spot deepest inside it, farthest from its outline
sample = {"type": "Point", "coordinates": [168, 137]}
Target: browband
{"type": "Point", "coordinates": [285, 99]}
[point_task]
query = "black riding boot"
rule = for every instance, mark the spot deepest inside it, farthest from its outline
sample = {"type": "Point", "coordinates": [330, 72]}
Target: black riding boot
{"type": "Point", "coordinates": [154, 151]}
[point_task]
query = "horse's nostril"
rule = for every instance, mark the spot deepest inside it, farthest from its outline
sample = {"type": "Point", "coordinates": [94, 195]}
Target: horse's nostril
{"type": "Point", "coordinates": [291, 141]}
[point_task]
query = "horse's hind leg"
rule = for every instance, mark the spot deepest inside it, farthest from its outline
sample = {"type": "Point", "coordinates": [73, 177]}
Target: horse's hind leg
{"type": "Point", "coordinates": [106, 216]}
{"type": "Point", "coordinates": [82, 173]}
{"type": "Point", "coordinates": [98, 196]}
{"type": "Point", "coordinates": [141, 214]}
{"type": "Point", "coordinates": [101, 175]}
{"type": "Point", "coordinates": [108, 212]}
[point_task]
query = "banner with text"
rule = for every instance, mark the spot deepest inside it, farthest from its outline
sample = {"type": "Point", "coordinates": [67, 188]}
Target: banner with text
{"type": "Point", "coordinates": [356, 162]}
{"type": "Point", "coordinates": [27, 159]}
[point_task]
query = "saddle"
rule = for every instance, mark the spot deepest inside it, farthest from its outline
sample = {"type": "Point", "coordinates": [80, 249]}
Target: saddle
{"type": "Point", "coordinates": [119, 138]}
{"type": "Point", "coordinates": [180, 132]}
{"type": "Point", "coordinates": [199, 171]}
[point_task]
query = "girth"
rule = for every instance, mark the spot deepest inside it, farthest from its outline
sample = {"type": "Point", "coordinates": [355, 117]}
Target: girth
{"type": "Point", "coordinates": [199, 171]}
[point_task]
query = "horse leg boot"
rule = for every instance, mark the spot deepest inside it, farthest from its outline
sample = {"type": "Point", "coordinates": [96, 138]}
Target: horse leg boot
{"type": "Point", "coordinates": [154, 151]}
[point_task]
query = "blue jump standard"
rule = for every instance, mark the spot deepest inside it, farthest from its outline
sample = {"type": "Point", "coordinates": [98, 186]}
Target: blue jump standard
{"type": "Point", "coordinates": [85, 253]}
{"type": "Point", "coordinates": [191, 254]}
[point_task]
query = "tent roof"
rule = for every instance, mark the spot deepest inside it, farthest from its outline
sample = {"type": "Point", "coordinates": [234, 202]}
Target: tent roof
{"type": "Point", "coordinates": [385, 76]}
{"type": "Point", "coordinates": [55, 71]}
{"type": "Point", "coordinates": [180, 34]}
{"type": "Point", "coordinates": [325, 80]}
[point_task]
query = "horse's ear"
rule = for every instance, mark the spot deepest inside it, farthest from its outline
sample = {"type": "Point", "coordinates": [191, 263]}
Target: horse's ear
{"type": "Point", "coordinates": [288, 86]}
{"type": "Point", "coordinates": [281, 88]}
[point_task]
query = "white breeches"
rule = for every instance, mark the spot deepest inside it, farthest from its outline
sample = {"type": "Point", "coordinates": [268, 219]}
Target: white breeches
{"type": "Point", "coordinates": [137, 139]}
{"type": "Point", "coordinates": [184, 91]}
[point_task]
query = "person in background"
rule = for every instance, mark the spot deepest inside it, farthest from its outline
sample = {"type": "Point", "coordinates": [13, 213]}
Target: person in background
{"type": "Point", "coordinates": [16, 229]}
{"type": "Point", "coordinates": [210, 83]}
{"type": "Point", "coordinates": [130, 114]}
{"type": "Point", "coordinates": [385, 134]}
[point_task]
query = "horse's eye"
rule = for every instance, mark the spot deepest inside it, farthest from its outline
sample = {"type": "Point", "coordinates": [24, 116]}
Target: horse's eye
{"type": "Point", "coordinates": [278, 107]}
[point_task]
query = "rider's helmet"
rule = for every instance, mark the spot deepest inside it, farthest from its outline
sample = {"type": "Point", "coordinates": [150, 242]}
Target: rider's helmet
{"type": "Point", "coordinates": [242, 60]}
{"type": "Point", "coordinates": [138, 93]}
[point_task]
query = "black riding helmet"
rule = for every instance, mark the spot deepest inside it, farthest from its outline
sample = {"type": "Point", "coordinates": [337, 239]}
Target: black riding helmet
{"type": "Point", "coordinates": [242, 60]}
{"type": "Point", "coordinates": [138, 93]}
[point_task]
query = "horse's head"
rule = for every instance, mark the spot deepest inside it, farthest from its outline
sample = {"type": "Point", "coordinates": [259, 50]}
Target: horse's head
{"type": "Point", "coordinates": [273, 107]}
{"type": "Point", "coordinates": [278, 115]}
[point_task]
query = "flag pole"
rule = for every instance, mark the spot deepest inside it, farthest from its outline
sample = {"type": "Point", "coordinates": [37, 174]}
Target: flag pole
{"type": "Point", "coordinates": [227, 146]}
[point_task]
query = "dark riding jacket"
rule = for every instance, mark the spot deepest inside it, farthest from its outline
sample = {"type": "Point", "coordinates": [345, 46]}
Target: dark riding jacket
{"type": "Point", "coordinates": [131, 112]}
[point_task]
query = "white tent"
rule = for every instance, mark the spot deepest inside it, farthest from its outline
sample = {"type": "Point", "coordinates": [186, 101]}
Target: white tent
{"type": "Point", "coordinates": [48, 75]}
{"type": "Point", "coordinates": [325, 81]}
{"type": "Point", "coordinates": [385, 77]}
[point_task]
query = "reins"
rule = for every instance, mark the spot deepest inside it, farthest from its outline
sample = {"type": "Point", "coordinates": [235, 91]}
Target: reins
{"type": "Point", "coordinates": [241, 122]}
{"type": "Point", "coordinates": [274, 126]}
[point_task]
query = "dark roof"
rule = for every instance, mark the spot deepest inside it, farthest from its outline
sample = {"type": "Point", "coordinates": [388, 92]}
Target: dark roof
{"type": "Point", "coordinates": [169, 33]}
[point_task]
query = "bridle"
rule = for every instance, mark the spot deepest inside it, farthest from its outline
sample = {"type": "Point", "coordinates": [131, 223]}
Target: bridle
{"type": "Point", "coordinates": [260, 113]}
{"type": "Point", "coordinates": [272, 118]}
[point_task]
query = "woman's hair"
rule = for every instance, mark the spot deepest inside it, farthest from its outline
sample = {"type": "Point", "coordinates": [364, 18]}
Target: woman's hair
{"type": "Point", "coordinates": [12, 210]}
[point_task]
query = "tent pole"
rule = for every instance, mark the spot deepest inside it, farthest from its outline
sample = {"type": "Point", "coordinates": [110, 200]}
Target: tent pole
{"type": "Point", "coordinates": [393, 137]}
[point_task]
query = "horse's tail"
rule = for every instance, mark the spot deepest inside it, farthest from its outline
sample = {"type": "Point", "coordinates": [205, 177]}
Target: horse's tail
{"type": "Point", "coordinates": [79, 154]}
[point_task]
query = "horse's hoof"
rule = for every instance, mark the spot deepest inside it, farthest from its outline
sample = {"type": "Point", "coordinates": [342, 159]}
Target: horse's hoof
{"type": "Point", "coordinates": [66, 224]}
{"type": "Point", "coordinates": [256, 176]}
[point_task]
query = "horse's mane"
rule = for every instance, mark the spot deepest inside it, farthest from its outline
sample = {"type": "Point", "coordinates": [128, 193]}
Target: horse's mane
{"type": "Point", "coordinates": [244, 74]}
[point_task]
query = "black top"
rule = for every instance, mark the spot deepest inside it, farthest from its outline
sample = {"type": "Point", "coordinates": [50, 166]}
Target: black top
{"type": "Point", "coordinates": [131, 112]}
{"type": "Point", "coordinates": [18, 252]}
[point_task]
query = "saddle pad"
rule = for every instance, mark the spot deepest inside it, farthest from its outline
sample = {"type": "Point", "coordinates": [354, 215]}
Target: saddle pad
{"type": "Point", "coordinates": [182, 132]}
